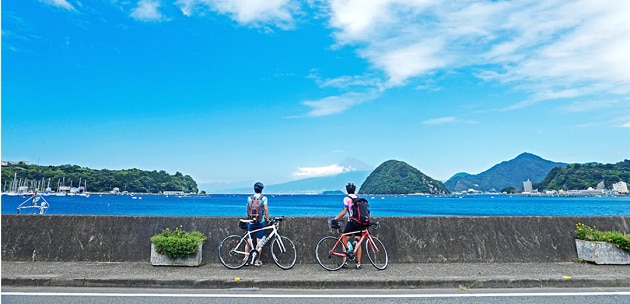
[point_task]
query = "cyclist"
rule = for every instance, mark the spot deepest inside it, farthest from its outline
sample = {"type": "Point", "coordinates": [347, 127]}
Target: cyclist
{"type": "Point", "coordinates": [258, 187]}
{"type": "Point", "coordinates": [350, 225]}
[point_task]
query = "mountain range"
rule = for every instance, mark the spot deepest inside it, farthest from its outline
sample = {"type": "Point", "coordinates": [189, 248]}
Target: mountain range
{"type": "Point", "coordinates": [511, 173]}
{"type": "Point", "coordinates": [353, 170]}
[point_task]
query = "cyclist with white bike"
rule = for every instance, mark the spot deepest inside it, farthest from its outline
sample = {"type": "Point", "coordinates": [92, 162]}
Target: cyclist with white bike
{"type": "Point", "coordinates": [258, 212]}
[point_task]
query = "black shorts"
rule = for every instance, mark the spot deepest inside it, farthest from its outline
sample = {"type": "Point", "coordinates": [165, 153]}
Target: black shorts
{"type": "Point", "coordinates": [353, 226]}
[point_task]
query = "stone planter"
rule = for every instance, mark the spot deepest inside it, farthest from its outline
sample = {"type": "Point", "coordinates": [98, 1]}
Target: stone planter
{"type": "Point", "coordinates": [163, 260]}
{"type": "Point", "coordinates": [601, 252]}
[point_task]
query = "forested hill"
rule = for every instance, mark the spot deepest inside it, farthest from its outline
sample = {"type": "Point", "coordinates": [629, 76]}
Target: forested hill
{"type": "Point", "coordinates": [104, 180]}
{"type": "Point", "coordinates": [397, 177]}
{"type": "Point", "coordinates": [582, 176]}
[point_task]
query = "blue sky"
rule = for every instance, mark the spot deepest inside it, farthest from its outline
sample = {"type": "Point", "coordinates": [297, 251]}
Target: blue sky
{"type": "Point", "coordinates": [231, 91]}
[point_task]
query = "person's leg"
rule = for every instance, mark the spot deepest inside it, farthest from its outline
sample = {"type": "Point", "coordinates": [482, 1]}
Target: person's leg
{"type": "Point", "coordinates": [249, 244]}
{"type": "Point", "coordinates": [359, 251]}
{"type": "Point", "coordinates": [259, 236]}
{"type": "Point", "coordinates": [349, 228]}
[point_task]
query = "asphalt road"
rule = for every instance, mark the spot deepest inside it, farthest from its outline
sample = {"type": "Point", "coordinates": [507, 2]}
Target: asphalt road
{"type": "Point", "coordinates": [30, 295]}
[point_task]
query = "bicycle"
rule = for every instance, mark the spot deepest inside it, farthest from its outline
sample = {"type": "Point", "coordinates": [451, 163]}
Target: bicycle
{"type": "Point", "coordinates": [332, 253]}
{"type": "Point", "coordinates": [233, 250]}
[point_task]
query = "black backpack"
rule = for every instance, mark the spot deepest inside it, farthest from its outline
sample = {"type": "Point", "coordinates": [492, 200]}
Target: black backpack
{"type": "Point", "coordinates": [255, 209]}
{"type": "Point", "coordinates": [360, 211]}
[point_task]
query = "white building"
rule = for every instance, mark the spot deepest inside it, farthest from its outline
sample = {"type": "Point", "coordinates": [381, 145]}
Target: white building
{"type": "Point", "coordinates": [527, 186]}
{"type": "Point", "coordinates": [620, 187]}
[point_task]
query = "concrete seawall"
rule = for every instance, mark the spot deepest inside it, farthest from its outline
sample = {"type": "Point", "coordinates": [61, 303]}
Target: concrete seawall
{"type": "Point", "coordinates": [62, 238]}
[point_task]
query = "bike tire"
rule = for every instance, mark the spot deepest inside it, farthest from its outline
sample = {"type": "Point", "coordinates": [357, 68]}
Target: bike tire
{"type": "Point", "coordinates": [376, 252]}
{"type": "Point", "coordinates": [284, 259]}
{"type": "Point", "coordinates": [323, 253]}
{"type": "Point", "coordinates": [232, 252]}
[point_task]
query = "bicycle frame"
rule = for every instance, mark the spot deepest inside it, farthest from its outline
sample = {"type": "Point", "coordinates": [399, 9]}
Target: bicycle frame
{"type": "Point", "coordinates": [236, 250]}
{"type": "Point", "coordinates": [274, 233]}
{"type": "Point", "coordinates": [331, 251]}
{"type": "Point", "coordinates": [365, 233]}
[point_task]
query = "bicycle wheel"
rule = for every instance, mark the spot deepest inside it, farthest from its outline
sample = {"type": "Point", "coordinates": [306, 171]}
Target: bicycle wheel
{"type": "Point", "coordinates": [232, 252]}
{"type": "Point", "coordinates": [376, 252]}
{"type": "Point", "coordinates": [324, 253]}
{"type": "Point", "coordinates": [286, 258]}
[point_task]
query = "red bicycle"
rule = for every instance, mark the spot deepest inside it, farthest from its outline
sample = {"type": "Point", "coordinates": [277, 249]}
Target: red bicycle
{"type": "Point", "coordinates": [332, 253]}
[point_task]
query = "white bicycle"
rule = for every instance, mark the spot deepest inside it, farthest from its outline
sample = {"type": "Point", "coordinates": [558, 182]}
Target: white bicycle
{"type": "Point", "coordinates": [234, 251]}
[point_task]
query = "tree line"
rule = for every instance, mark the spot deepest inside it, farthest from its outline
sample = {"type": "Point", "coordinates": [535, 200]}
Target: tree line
{"type": "Point", "coordinates": [583, 176]}
{"type": "Point", "coordinates": [104, 180]}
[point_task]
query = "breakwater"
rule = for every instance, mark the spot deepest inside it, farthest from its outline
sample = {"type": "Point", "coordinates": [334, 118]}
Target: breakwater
{"type": "Point", "coordinates": [408, 239]}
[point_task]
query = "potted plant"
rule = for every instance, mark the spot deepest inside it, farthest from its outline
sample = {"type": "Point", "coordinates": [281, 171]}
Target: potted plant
{"type": "Point", "coordinates": [602, 247]}
{"type": "Point", "coordinates": [177, 248]}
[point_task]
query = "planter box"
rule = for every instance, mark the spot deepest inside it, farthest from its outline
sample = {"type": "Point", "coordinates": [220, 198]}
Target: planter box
{"type": "Point", "coordinates": [163, 260]}
{"type": "Point", "coordinates": [601, 252]}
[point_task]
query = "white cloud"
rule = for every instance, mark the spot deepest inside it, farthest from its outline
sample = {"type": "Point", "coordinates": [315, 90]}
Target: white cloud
{"type": "Point", "coordinates": [590, 105]}
{"type": "Point", "coordinates": [551, 49]}
{"type": "Point", "coordinates": [320, 171]}
{"type": "Point", "coordinates": [147, 10]}
{"type": "Point", "coordinates": [187, 6]}
{"type": "Point", "coordinates": [626, 125]}
{"type": "Point", "coordinates": [337, 104]}
{"type": "Point", "coordinates": [60, 3]}
{"type": "Point", "coordinates": [351, 81]}
{"type": "Point", "coordinates": [256, 13]}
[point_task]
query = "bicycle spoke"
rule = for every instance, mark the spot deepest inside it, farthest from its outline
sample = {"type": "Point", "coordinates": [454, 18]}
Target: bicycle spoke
{"type": "Point", "coordinates": [330, 254]}
{"type": "Point", "coordinates": [283, 252]}
{"type": "Point", "coordinates": [232, 252]}
{"type": "Point", "coordinates": [376, 252]}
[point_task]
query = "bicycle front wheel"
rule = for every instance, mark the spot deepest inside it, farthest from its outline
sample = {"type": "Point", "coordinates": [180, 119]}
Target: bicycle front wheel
{"type": "Point", "coordinates": [330, 254]}
{"type": "Point", "coordinates": [232, 252]}
{"type": "Point", "coordinates": [376, 252]}
{"type": "Point", "coordinates": [283, 252]}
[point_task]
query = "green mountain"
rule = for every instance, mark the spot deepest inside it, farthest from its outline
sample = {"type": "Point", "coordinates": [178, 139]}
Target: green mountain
{"type": "Point", "coordinates": [132, 180]}
{"type": "Point", "coordinates": [510, 173]}
{"type": "Point", "coordinates": [583, 176]}
{"type": "Point", "coordinates": [397, 177]}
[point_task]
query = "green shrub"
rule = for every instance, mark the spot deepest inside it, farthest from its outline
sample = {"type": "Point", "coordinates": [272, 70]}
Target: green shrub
{"type": "Point", "coordinates": [177, 243]}
{"type": "Point", "coordinates": [586, 233]}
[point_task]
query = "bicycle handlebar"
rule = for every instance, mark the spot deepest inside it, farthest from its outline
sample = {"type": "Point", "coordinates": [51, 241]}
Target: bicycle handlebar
{"type": "Point", "coordinates": [276, 219]}
{"type": "Point", "coordinates": [376, 224]}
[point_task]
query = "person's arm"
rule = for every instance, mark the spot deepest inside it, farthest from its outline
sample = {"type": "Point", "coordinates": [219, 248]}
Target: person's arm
{"type": "Point", "coordinates": [341, 214]}
{"type": "Point", "coordinates": [266, 213]}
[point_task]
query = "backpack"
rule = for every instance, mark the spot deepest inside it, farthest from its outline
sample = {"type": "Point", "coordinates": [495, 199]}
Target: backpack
{"type": "Point", "coordinates": [360, 211]}
{"type": "Point", "coordinates": [255, 209]}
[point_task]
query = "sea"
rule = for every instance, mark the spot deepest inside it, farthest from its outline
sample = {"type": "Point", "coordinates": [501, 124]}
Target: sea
{"type": "Point", "coordinates": [329, 205]}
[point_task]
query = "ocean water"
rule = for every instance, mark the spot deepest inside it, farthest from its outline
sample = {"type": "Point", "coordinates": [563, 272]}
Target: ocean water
{"type": "Point", "coordinates": [330, 205]}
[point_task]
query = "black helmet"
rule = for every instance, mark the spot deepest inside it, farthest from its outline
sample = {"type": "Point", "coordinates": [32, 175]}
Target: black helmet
{"type": "Point", "coordinates": [350, 187]}
{"type": "Point", "coordinates": [258, 186]}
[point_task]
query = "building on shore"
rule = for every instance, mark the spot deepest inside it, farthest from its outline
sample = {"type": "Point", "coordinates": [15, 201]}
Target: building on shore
{"type": "Point", "coordinates": [527, 186]}
{"type": "Point", "coordinates": [620, 187]}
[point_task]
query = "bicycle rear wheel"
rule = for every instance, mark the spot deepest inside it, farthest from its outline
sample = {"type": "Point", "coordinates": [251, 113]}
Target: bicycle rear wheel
{"type": "Point", "coordinates": [286, 258]}
{"type": "Point", "coordinates": [376, 252]}
{"type": "Point", "coordinates": [232, 252]}
{"type": "Point", "coordinates": [330, 254]}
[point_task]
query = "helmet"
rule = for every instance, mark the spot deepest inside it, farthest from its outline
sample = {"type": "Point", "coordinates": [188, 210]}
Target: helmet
{"type": "Point", "coordinates": [350, 187]}
{"type": "Point", "coordinates": [258, 187]}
